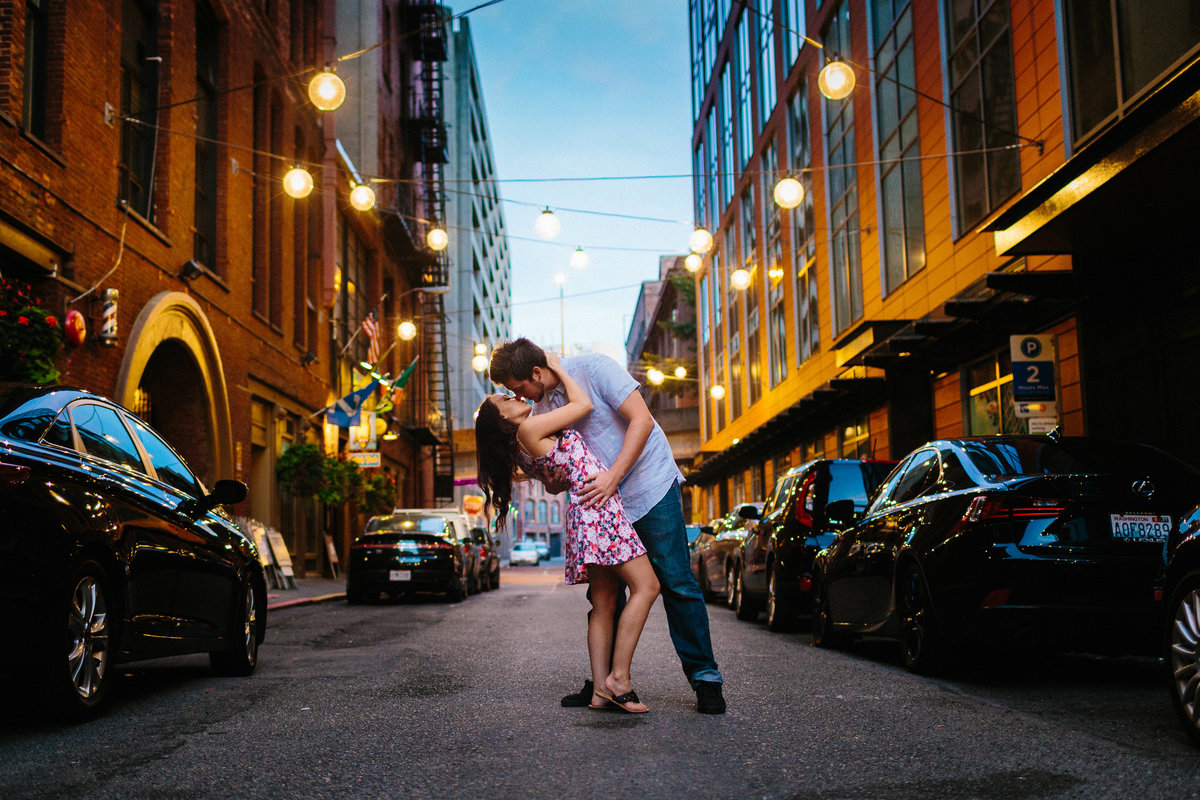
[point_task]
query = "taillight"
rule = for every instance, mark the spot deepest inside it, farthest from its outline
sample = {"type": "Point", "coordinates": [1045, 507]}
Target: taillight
{"type": "Point", "coordinates": [1000, 507]}
{"type": "Point", "coordinates": [12, 475]}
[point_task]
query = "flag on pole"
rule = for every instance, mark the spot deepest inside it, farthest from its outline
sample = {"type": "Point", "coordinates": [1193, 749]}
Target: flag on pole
{"type": "Point", "coordinates": [399, 384]}
{"type": "Point", "coordinates": [370, 328]}
{"type": "Point", "coordinates": [346, 413]}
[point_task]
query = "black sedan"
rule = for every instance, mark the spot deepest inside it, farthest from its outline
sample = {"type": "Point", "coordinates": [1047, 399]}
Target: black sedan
{"type": "Point", "coordinates": [111, 549]}
{"type": "Point", "coordinates": [778, 552]}
{"type": "Point", "coordinates": [409, 551]}
{"type": "Point", "coordinates": [1031, 539]}
{"type": "Point", "coordinates": [489, 558]}
{"type": "Point", "coordinates": [1182, 640]}
{"type": "Point", "coordinates": [717, 552]}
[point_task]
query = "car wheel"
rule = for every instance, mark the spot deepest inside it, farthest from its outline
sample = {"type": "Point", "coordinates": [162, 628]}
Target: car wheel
{"type": "Point", "coordinates": [918, 637]}
{"type": "Point", "coordinates": [241, 656]}
{"type": "Point", "coordinates": [1183, 654]}
{"type": "Point", "coordinates": [780, 615]}
{"type": "Point", "coordinates": [824, 631]}
{"type": "Point", "coordinates": [730, 585]}
{"type": "Point", "coordinates": [458, 591]}
{"type": "Point", "coordinates": [78, 673]}
{"type": "Point", "coordinates": [485, 581]}
{"type": "Point", "coordinates": [744, 608]}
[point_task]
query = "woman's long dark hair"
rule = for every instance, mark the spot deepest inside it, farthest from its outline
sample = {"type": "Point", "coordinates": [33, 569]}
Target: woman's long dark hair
{"type": "Point", "coordinates": [496, 450]}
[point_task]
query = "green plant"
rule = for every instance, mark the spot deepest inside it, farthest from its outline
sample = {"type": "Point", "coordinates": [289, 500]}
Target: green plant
{"type": "Point", "coordinates": [31, 338]}
{"type": "Point", "coordinates": [378, 493]}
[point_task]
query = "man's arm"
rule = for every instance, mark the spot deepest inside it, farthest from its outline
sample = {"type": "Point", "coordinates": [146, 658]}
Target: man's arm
{"type": "Point", "coordinates": [603, 485]}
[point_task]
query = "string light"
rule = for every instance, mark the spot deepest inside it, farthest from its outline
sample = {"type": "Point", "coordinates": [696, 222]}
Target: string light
{"type": "Point", "coordinates": [327, 91]}
{"type": "Point", "coordinates": [298, 183]}
{"type": "Point", "coordinates": [437, 239]}
{"type": "Point", "coordinates": [701, 241]}
{"type": "Point", "coordinates": [655, 376]}
{"type": "Point", "coordinates": [480, 363]}
{"type": "Point", "coordinates": [362, 197]}
{"type": "Point", "coordinates": [406, 330]}
{"type": "Point", "coordinates": [740, 279]}
{"type": "Point", "coordinates": [788, 193]}
{"type": "Point", "coordinates": [547, 225]}
{"type": "Point", "coordinates": [681, 372]}
{"type": "Point", "coordinates": [580, 259]}
{"type": "Point", "coordinates": [693, 262]}
{"type": "Point", "coordinates": [717, 392]}
{"type": "Point", "coordinates": [836, 80]}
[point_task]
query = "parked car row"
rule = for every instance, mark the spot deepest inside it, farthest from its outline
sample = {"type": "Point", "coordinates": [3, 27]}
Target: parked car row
{"type": "Point", "coordinates": [421, 550]}
{"type": "Point", "coordinates": [1035, 541]}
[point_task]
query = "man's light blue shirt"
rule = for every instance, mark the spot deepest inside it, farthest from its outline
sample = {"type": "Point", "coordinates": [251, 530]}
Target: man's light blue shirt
{"type": "Point", "coordinates": [608, 386]}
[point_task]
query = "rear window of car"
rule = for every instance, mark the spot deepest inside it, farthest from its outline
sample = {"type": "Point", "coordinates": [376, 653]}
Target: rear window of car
{"type": "Point", "coordinates": [439, 526]}
{"type": "Point", "coordinates": [1071, 456]}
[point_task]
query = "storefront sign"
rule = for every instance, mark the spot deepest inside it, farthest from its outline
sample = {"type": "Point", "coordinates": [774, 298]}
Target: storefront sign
{"type": "Point", "coordinates": [365, 460]}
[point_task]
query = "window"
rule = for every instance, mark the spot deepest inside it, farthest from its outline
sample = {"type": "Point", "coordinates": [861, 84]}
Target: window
{"type": "Point", "coordinates": [804, 241]}
{"type": "Point", "coordinates": [208, 46]}
{"type": "Point", "coordinates": [541, 511]}
{"type": "Point", "coordinates": [752, 296]}
{"type": "Point", "coordinates": [713, 150]}
{"type": "Point", "coordinates": [845, 267]}
{"type": "Point", "coordinates": [37, 54]}
{"type": "Point", "coordinates": [773, 236]}
{"type": "Point", "coordinates": [984, 107]}
{"type": "Point", "coordinates": [139, 100]}
{"type": "Point", "coordinates": [990, 406]}
{"type": "Point", "coordinates": [793, 31]}
{"type": "Point", "coordinates": [167, 465]}
{"type": "Point", "coordinates": [855, 439]}
{"type": "Point", "coordinates": [903, 226]}
{"type": "Point", "coordinates": [554, 514]}
{"type": "Point", "coordinates": [766, 62]}
{"type": "Point", "coordinates": [919, 476]}
{"type": "Point", "coordinates": [727, 175]}
{"type": "Point", "coordinates": [735, 309]}
{"type": "Point", "coordinates": [354, 289]}
{"type": "Point", "coordinates": [699, 186]}
{"type": "Point", "coordinates": [529, 511]}
{"type": "Point", "coordinates": [745, 113]}
{"type": "Point", "coordinates": [105, 436]}
{"type": "Point", "coordinates": [1110, 66]}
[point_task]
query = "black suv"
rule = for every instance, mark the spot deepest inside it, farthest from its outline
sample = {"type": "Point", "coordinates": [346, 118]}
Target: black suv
{"type": "Point", "coordinates": [796, 522]}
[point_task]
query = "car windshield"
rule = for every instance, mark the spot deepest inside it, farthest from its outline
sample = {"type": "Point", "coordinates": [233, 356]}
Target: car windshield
{"type": "Point", "coordinates": [436, 525]}
{"type": "Point", "coordinates": [524, 546]}
{"type": "Point", "coordinates": [1070, 456]}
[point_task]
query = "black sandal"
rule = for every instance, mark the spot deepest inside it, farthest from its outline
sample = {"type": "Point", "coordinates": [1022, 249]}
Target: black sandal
{"type": "Point", "coordinates": [621, 700]}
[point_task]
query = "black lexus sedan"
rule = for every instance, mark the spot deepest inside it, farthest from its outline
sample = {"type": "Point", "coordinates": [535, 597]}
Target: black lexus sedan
{"type": "Point", "coordinates": [1023, 539]}
{"type": "Point", "coordinates": [410, 550]}
{"type": "Point", "coordinates": [775, 573]}
{"type": "Point", "coordinates": [111, 550]}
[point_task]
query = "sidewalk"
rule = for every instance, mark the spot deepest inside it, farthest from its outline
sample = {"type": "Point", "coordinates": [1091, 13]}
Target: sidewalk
{"type": "Point", "coordinates": [308, 590]}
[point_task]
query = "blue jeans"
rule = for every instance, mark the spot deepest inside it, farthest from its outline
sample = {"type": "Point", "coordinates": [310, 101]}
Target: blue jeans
{"type": "Point", "coordinates": [662, 532]}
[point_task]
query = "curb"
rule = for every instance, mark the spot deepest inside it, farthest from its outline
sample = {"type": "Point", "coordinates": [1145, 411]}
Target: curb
{"type": "Point", "coordinates": [305, 601]}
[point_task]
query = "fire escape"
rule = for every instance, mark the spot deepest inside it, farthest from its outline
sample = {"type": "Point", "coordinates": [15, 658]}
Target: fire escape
{"type": "Point", "coordinates": [428, 127]}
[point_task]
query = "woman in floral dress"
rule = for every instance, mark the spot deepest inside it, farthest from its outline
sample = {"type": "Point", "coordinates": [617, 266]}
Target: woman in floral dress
{"type": "Point", "coordinates": [602, 547]}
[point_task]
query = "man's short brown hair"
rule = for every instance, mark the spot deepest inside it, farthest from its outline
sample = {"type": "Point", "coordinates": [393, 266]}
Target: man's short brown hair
{"type": "Point", "coordinates": [515, 360]}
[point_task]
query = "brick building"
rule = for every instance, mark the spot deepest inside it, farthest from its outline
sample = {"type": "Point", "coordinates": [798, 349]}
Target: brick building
{"type": "Point", "coordinates": [1001, 169]}
{"type": "Point", "coordinates": [142, 147]}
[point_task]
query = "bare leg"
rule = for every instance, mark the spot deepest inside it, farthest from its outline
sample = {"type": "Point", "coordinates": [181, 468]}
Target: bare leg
{"type": "Point", "coordinates": [643, 591]}
{"type": "Point", "coordinates": [603, 585]}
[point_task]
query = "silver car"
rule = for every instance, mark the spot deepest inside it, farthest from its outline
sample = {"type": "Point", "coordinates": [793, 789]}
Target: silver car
{"type": "Point", "coordinates": [524, 553]}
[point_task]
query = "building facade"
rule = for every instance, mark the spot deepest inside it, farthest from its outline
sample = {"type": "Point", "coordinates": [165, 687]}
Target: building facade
{"type": "Point", "coordinates": [142, 149]}
{"type": "Point", "coordinates": [959, 202]}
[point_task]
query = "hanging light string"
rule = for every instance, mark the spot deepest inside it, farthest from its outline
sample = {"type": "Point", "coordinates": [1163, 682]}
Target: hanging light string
{"type": "Point", "coordinates": [1040, 144]}
{"type": "Point", "coordinates": [295, 76]}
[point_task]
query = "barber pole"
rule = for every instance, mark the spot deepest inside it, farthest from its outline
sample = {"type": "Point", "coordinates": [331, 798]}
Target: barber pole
{"type": "Point", "coordinates": [108, 318]}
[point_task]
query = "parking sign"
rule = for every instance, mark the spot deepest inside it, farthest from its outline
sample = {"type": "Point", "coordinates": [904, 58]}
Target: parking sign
{"type": "Point", "coordinates": [1033, 367]}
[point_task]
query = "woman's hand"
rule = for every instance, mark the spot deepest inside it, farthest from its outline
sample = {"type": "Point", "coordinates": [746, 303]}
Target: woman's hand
{"type": "Point", "coordinates": [554, 362]}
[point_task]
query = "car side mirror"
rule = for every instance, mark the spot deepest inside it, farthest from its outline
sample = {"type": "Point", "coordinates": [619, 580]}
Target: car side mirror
{"type": "Point", "coordinates": [840, 512]}
{"type": "Point", "coordinates": [225, 493]}
{"type": "Point", "coordinates": [706, 529]}
{"type": "Point", "coordinates": [749, 512]}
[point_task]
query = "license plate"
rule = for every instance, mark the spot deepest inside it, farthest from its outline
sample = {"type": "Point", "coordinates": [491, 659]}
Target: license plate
{"type": "Point", "coordinates": [1140, 527]}
{"type": "Point", "coordinates": [400, 575]}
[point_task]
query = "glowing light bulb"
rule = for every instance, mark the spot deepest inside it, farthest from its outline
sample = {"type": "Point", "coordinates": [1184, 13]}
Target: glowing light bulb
{"type": "Point", "coordinates": [547, 225]}
{"type": "Point", "coordinates": [740, 279]}
{"type": "Point", "coordinates": [326, 90]}
{"type": "Point", "coordinates": [362, 197]}
{"type": "Point", "coordinates": [437, 239]}
{"type": "Point", "coordinates": [655, 376]}
{"type": "Point", "coordinates": [717, 392]}
{"type": "Point", "coordinates": [298, 183]}
{"type": "Point", "coordinates": [701, 241]}
{"type": "Point", "coordinates": [580, 259]}
{"type": "Point", "coordinates": [681, 372]}
{"type": "Point", "coordinates": [693, 262]}
{"type": "Point", "coordinates": [836, 80]}
{"type": "Point", "coordinates": [406, 330]}
{"type": "Point", "coordinates": [789, 193]}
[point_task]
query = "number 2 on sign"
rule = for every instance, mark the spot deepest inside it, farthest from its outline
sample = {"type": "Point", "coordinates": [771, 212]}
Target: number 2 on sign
{"type": "Point", "coordinates": [1032, 375]}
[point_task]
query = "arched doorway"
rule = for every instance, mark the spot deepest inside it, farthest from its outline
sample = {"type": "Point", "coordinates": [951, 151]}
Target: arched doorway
{"type": "Point", "coordinates": [172, 376]}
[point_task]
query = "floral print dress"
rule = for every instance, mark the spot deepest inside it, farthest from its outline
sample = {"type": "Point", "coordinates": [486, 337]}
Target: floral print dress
{"type": "Point", "coordinates": [602, 535]}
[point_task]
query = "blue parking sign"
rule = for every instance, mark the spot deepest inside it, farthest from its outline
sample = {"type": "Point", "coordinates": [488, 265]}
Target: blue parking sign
{"type": "Point", "coordinates": [1032, 367]}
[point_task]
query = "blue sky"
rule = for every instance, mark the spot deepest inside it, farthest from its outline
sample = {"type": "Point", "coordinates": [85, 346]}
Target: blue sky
{"type": "Point", "coordinates": [587, 88]}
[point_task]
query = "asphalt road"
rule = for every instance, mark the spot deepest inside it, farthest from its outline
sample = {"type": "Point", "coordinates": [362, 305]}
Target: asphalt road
{"type": "Point", "coordinates": [423, 699]}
